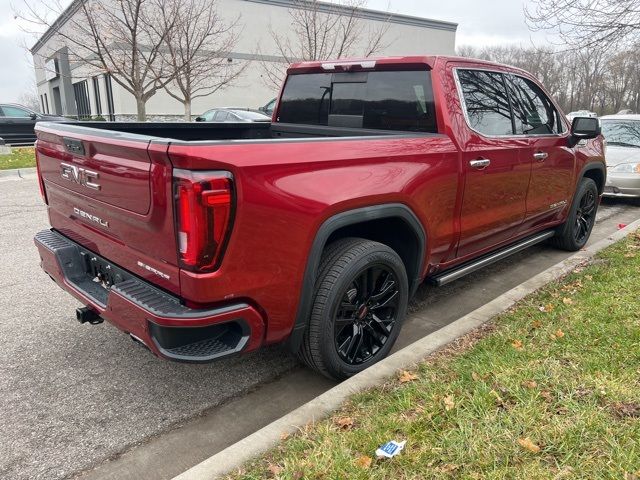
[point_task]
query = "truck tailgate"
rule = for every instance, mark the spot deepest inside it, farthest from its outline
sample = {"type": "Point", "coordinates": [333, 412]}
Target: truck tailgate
{"type": "Point", "coordinates": [112, 193]}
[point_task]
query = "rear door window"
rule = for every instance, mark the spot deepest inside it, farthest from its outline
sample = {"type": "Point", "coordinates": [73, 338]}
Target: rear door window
{"type": "Point", "coordinates": [399, 100]}
{"type": "Point", "coordinates": [533, 111]}
{"type": "Point", "coordinates": [486, 102]}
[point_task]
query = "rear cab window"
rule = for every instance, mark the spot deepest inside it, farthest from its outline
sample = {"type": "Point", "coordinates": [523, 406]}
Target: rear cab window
{"type": "Point", "coordinates": [380, 100]}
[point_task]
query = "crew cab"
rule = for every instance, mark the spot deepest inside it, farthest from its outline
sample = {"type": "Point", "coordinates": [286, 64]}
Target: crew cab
{"type": "Point", "coordinates": [206, 240]}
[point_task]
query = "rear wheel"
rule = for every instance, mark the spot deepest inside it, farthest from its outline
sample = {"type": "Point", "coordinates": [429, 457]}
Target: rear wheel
{"type": "Point", "coordinates": [575, 232]}
{"type": "Point", "coordinates": [359, 304]}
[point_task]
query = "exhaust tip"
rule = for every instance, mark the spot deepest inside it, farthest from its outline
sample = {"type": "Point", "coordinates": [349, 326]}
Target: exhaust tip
{"type": "Point", "coordinates": [86, 314]}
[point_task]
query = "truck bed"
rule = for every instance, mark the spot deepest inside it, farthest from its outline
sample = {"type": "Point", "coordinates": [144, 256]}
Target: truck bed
{"type": "Point", "coordinates": [203, 131]}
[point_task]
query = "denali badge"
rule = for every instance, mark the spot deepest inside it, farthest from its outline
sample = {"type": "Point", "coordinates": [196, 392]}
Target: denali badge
{"type": "Point", "coordinates": [153, 270]}
{"type": "Point", "coordinates": [558, 204]}
{"type": "Point", "coordinates": [82, 176]}
{"type": "Point", "coordinates": [90, 217]}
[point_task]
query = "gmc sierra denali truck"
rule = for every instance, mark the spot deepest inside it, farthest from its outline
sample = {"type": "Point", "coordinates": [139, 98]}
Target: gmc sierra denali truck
{"type": "Point", "coordinates": [203, 241]}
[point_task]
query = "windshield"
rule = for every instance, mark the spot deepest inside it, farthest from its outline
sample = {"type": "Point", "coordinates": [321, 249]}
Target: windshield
{"type": "Point", "coordinates": [622, 132]}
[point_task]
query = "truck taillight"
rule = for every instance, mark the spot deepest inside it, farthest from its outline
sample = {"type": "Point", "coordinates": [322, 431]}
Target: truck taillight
{"type": "Point", "coordinates": [204, 202]}
{"type": "Point", "coordinates": [43, 192]}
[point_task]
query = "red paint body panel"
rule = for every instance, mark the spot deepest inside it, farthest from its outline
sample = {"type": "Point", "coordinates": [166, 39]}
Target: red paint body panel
{"type": "Point", "coordinates": [286, 188]}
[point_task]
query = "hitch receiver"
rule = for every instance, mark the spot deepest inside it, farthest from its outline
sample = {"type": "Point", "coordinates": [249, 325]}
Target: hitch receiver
{"type": "Point", "coordinates": [86, 314]}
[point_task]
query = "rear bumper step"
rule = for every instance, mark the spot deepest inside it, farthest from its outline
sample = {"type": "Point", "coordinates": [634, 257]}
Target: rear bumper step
{"type": "Point", "coordinates": [467, 268]}
{"type": "Point", "coordinates": [156, 318]}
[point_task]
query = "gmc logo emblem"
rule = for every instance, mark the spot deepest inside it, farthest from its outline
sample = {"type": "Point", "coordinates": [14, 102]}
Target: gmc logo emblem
{"type": "Point", "coordinates": [81, 176]}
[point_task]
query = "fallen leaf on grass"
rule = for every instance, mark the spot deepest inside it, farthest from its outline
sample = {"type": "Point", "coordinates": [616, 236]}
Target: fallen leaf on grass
{"type": "Point", "coordinates": [448, 468]}
{"type": "Point", "coordinates": [546, 308]}
{"type": "Point", "coordinates": [407, 377]}
{"type": "Point", "coordinates": [274, 469]}
{"type": "Point", "coordinates": [530, 384]}
{"type": "Point", "coordinates": [623, 409]}
{"type": "Point", "coordinates": [345, 423]}
{"type": "Point", "coordinates": [536, 324]}
{"type": "Point", "coordinates": [558, 334]}
{"type": "Point", "coordinates": [567, 301]}
{"type": "Point", "coordinates": [449, 403]}
{"type": "Point", "coordinates": [284, 435]}
{"type": "Point", "coordinates": [588, 277]}
{"type": "Point", "coordinates": [527, 444]}
{"type": "Point", "coordinates": [517, 344]}
{"type": "Point", "coordinates": [629, 255]}
{"type": "Point", "coordinates": [631, 476]}
{"type": "Point", "coordinates": [546, 394]}
{"type": "Point", "coordinates": [364, 461]}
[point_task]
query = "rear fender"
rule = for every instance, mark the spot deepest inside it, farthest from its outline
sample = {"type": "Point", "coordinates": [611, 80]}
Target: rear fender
{"type": "Point", "coordinates": [335, 223]}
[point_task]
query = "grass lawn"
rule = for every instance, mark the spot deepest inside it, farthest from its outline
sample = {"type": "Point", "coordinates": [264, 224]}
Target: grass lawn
{"type": "Point", "coordinates": [549, 390]}
{"type": "Point", "coordinates": [20, 157]}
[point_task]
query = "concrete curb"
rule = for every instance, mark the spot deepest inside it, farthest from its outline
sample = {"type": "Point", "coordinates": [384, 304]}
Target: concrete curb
{"type": "Point", "coordinates": [269, 436]}
{"type": "Point", "coordinates": [17, 173]}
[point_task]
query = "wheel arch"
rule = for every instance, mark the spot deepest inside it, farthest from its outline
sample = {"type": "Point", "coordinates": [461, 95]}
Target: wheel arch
{"type": "Point", "coordinates": [379, 223]}
{"type": "Point", "coordinates": [597, 172]}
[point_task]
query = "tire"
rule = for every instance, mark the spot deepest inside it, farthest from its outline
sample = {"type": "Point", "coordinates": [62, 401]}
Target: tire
{"type": "Point", "coordinates": [574, 233]}
{"type": "Point", "coordinates": [360, 301]}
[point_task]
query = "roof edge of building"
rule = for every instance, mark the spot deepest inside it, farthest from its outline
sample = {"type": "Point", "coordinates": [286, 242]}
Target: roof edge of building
{"type": "Point", "coordinates": [366, 13]}
{"type": "Point", "coordinates": [57, 25]}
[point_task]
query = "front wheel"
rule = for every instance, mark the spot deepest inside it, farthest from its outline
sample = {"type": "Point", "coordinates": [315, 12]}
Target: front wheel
{"type": "Point", "coordinates": [359, 305]}
{"type": "Point", "coordinates": [574, 233]}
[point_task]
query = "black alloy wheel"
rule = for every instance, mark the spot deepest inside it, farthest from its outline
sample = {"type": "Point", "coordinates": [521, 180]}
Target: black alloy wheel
{"type": "Point", "coordinates": [366, 315]}
{"type": "Point", "coordinates": [574, 233]}
{"type": "Point", "coordinates": [359, 303]}
{"type": "Point", "coordinates": [585, 216]}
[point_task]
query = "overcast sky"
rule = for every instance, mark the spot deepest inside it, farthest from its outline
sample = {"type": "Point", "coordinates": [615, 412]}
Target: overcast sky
{"type": "Point", "coordinates": [479, 23]}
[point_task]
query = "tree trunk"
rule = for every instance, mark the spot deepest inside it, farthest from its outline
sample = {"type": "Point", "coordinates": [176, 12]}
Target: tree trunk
{"type": "Point", "coordinates": [187, 110]}
{"type": "Point", "coordinates": [141, 106]}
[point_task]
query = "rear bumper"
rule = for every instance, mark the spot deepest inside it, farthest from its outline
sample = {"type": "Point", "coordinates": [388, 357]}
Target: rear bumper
{"type": "Point", "coordinates": [150, 315]}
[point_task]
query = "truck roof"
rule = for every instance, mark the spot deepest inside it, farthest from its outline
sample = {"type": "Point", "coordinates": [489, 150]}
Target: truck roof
{"type": "Point", "coordinates": [387, 63]}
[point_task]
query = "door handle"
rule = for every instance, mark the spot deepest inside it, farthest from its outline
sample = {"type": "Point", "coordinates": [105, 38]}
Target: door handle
{"type": "Point", "coordinates": [480, 163]}
{"type": "Point", "coordinates": [540, 156]}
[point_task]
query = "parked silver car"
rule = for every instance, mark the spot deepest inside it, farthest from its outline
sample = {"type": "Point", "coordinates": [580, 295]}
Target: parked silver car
{"type": "Point", "coordinates": [622, 133]}
{"type": "Point", "coordinates": [233, 115]}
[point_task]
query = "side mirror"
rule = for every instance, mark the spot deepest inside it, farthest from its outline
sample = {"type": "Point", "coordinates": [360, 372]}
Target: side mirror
{"type": "Point", "coordinates": [201, 119]}
{"type": "Point", "coordinates": [33, 116]}
{"type": "Point", "coordinates": [584, 128]}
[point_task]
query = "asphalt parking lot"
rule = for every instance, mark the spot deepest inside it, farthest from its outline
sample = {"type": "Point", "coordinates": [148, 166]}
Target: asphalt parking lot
{"type": "Point", "coordinates": [74, 396]}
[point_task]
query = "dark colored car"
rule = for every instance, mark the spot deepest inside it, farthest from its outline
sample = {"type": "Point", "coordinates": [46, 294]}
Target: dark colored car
{"type": "Point", "coordinates": [17, 123]}
{"type": "Point", "coordinates": [207, 240]}
{"type": "Point", "coordinates": [232, 115]}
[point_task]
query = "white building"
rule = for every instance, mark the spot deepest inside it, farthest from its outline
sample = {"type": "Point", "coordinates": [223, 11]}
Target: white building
{"type": "Point", "coordinates": [70, 88]}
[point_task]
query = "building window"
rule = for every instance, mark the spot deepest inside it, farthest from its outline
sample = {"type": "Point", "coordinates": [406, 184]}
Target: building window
{"type": "Point", "coordinates": [96, 95]}
{"type": "Point", "coordinates": [81, 91]}
{"type": "Point", "coordinates": [109, 91]}
{"type": "Point", "coordinates": [46, 104]}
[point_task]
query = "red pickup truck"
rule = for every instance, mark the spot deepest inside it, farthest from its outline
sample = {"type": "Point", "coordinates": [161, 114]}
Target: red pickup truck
{"type": "Point", "coordinates": [203, 240]}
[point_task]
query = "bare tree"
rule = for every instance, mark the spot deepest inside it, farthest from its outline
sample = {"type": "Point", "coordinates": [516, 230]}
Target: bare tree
{"type": "Point", "coordinates": [587, 23]}
{"type": "Point", "coordinates": [594, 78]}
{"type": "Point", "coordinates": [29, 98]}
{"type": "Point", "coordinates": [321, 31]}
{"type": "Point", "coordinates": [123, 38]}
{"type": "Point", "coordinates": [197, 51]}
